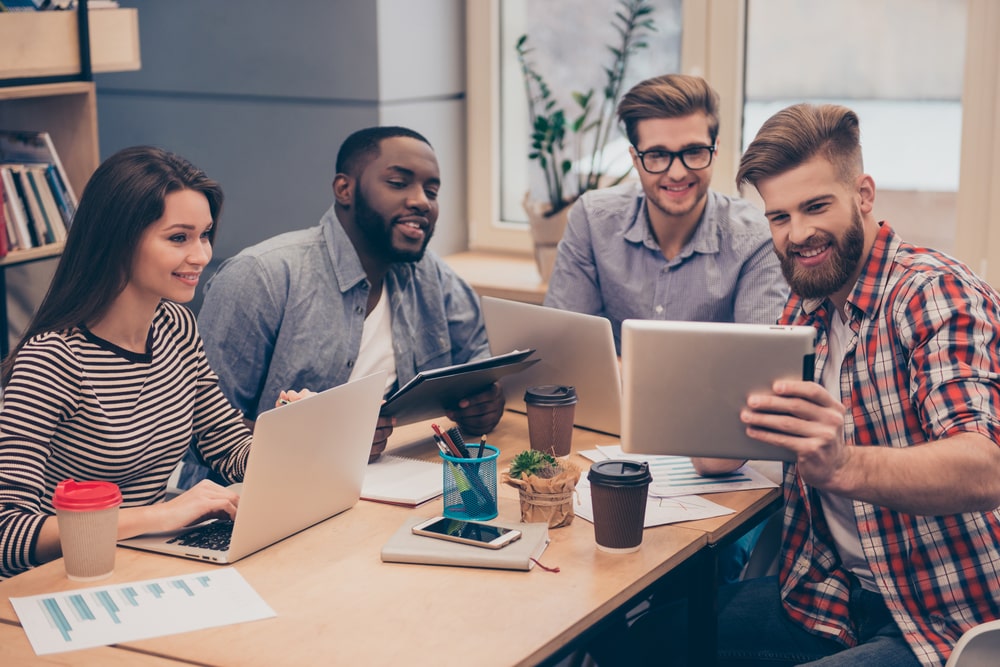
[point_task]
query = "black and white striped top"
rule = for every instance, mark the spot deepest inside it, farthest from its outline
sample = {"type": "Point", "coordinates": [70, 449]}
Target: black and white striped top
{"type": "Point", "coordinates": [78, 407]}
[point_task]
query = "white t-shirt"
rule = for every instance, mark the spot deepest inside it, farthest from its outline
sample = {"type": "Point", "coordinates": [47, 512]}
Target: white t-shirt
{"type": "Point", "coordinates": [839, 511]}
{"type": "Point", "coordinates": [376, 352]}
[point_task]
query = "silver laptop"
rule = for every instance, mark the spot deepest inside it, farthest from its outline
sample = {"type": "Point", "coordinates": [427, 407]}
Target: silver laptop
{"type": "Point", "coordinates": [574, 349]}
{"type": "Point", "coordinates": [684, 384]}
{"type": "Point", "coordinates": [306, 464]}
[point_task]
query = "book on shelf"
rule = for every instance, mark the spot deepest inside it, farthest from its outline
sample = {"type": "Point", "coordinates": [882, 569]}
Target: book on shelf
{"type": "Point", "coordinates": [44, 222]}
{"type": "Point", "coordinates": [31, 239]}
{"type": "Point", "coordinates": [4, 217]}
{"type": "Point", "coordinates": [398, 480]}
{"type": "Point", "coordinates": [18, 6]}
{"type": "Point", "coordinates": [41, 199]}
{"type": "Point", "coordinates": [17, 218]}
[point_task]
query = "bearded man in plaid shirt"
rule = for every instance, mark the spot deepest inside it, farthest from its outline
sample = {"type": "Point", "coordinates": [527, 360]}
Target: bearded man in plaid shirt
{"type": "Point", "coordinates": [891, 537]}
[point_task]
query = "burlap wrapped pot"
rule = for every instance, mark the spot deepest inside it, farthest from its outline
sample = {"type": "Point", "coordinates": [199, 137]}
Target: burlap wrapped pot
{"type": "Point", "coordinates": [547, 500]}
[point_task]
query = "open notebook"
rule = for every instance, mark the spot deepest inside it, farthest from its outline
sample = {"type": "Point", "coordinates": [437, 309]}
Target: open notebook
{"type": "Point", "coordinates": [398, 480]}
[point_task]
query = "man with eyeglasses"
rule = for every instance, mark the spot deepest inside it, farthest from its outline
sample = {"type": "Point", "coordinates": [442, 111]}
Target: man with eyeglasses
{"type": "Point", "coordinates": [668, 247]}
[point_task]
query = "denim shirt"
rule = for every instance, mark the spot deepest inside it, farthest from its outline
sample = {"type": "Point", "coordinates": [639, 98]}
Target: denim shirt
{"type": "Point", "coordinates": [609, 264]}
{"type": "Point", "coordinates": [288, 313]}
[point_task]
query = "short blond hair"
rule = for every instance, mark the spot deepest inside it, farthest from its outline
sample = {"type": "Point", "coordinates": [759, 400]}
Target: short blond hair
{"type": "Point", "coordinates": [669, 96]}
{"type": "Point", "coordinates": [798, 133]}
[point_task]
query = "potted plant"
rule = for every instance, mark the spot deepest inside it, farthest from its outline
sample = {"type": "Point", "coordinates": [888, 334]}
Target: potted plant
{"type": "Point", "coordinates": [545, 485]}
{"type": "Point", "coordinates": [571, 153]}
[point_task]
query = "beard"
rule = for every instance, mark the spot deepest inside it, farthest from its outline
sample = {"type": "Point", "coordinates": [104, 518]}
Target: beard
{"type": "Point", "coordinates": [822, 281]}
{"type": "Point", "coordinates": [378, 232]}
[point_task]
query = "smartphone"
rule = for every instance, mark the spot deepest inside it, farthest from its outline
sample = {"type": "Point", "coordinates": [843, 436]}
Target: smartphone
{"type": "Point", "coordinates": [467, 532]}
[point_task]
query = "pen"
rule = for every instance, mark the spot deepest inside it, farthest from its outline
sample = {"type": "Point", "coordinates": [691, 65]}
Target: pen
{"type": "Point", "coordinates": [440, 444]}
{"type": "Point", "coordinates": [482, 447]}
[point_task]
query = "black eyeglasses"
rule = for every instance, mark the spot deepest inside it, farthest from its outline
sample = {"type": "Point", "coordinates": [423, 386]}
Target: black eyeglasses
{"type": "Point", "coordinates": [657, 160]}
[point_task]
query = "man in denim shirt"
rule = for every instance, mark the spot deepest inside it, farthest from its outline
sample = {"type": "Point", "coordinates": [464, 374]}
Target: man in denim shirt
{"type": "Point", "coordinates": [357, 294]}
{"type": "Point", "coordinates": [668, 248]}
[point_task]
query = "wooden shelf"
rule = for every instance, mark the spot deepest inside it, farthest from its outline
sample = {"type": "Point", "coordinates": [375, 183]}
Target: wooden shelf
{"type": "Point", "coordinates": [47, 90]}
{"type": "Point", "coordinates": [15, 257]}
{"type": "Point", "coordinates": [68, 112]}
{"type": "Point", "coordinates": [506, 276]}
{"type": "Point", "coordinates": [36, 44]}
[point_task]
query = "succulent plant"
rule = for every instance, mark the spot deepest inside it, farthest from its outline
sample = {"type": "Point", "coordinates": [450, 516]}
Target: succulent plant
{"type": "Point", "coordinates": [533, 462]}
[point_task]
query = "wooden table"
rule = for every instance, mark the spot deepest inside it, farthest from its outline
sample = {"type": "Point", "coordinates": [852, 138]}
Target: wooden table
{"type": "Point", "coordinates": [336, 602]}
{"type": "Point", "coordinates": [16, 650]}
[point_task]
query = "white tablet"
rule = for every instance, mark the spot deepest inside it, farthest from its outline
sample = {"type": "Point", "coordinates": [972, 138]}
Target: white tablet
{"type": "Point", "coordinates": [685, 383]}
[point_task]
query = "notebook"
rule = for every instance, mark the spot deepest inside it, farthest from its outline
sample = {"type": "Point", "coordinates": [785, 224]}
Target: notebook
{"type": "Point", "coordinates": [685, 383]}
{"type": "Point", "coordinates": [398, 480]}
{"type": "Point", "coordinates": [575, 349]}
{"type": "Point", "coordinates": [405, 547]}
{"type": "Point", "coordinates": [306, 464]}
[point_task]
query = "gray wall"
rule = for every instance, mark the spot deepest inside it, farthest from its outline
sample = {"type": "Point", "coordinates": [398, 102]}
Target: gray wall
{"type": "Point", "coordinates": [261, 94]}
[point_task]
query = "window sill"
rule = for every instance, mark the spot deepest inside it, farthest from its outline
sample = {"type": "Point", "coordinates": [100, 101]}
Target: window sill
{"type": "Point", "coordinates": [507, 276]}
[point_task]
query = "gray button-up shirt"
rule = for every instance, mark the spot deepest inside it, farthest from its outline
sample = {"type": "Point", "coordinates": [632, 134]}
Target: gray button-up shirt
{"type": "Point", "coordinates": [610, 264]}
{"type": "Point", "coordinates": [288, 313]}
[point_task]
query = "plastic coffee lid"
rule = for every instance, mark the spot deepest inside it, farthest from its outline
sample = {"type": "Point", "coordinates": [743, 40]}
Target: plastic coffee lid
{"type": "Point", "coordinates": [550, 394]}
{"type": "Point", "coordinates": [86, 496]}
{"type": "Point", "coordinates": [620, 473]}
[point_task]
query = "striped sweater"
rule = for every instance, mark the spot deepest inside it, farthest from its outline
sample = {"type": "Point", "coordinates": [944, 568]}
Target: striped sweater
{"type": "Point", "coordinates": [79, 407]}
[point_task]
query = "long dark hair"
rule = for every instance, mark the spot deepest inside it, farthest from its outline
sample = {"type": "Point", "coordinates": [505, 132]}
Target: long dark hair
{"type": "Point", "coordinates": [123, 197]}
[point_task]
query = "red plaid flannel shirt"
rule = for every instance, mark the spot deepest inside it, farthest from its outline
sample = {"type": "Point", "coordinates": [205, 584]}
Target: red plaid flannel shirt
{"type": "Point", "coordinates": [924, 364]}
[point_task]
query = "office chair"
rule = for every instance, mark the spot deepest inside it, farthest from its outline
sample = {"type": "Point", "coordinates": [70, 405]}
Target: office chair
{"type": "Point", "coordinates": [978, 647]}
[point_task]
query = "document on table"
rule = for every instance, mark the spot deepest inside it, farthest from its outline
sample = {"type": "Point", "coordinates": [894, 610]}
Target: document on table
{"type": "Point", "coordinates": [102, 615]}
{"type": "Point", "coordinates": [398, 480]}
{"type": "Point", "coordinates": [658, 510]}
{"type": "Point", "coordinates": [675, 476]}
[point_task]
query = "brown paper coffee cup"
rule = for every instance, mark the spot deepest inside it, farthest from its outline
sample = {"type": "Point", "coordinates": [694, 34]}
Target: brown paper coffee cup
{"type": "Point", "coordinates": [87, 513]}
{"type": "Point", "coordinates": [618, 491]}
{"type": "Point", "coordinates": [551, 410]}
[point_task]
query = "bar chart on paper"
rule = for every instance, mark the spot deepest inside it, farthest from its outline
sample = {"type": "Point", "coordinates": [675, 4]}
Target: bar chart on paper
{"type": "Point", "coordinates": [675, 475]}
{"type": "Point", "coordinates": [138, 610]}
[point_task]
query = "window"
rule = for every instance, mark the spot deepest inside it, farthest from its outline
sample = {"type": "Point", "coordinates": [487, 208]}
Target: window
{"type": "Point", "coordinates": [905, 85]}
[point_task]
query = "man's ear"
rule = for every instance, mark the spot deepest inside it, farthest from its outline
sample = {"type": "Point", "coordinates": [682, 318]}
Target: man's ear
{"type": "Point", "coordinates": [866, 193]}
{"type": "Point", "coordinates": [635, 159]}
{"type": "Point", "coordinates": [343, 189]}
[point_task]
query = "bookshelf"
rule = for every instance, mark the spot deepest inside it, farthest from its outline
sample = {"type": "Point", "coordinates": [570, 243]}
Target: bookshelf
{"type": "Point", "coordinates": [47, 60]}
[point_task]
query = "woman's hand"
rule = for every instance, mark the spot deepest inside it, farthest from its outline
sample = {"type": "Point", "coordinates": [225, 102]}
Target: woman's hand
{"type": "Point", "coordinates": [205, 500]}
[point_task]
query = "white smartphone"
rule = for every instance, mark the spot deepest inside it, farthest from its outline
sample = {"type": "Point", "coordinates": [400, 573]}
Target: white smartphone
{"type": "Point", "coordinates": [467, 532]}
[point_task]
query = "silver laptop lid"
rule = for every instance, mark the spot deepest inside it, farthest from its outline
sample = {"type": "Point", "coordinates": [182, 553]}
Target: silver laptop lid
{"type": "Point", "coordinates": [307, 463]}
{"type": "Point", "coordinates": [684, 384]}
{"type": "Point", "coordinates": [575, 349]}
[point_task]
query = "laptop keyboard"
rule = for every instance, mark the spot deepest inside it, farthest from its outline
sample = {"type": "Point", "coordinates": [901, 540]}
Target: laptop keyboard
{"type": "Point", "coordinates": [215, 536]}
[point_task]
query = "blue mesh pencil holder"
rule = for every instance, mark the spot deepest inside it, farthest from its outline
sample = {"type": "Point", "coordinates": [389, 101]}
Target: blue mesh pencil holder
{"type": "Point", "coordinates": [470, 485]}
